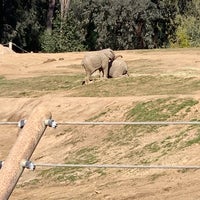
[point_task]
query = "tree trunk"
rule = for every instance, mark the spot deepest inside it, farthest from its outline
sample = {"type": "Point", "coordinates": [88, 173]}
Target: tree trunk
{"type": "Point", "coordinates": [50, 15]}
{"type": "Point", "coordinates": [1, 20]}
{"type": "Point", "coordinates": [64, 7]}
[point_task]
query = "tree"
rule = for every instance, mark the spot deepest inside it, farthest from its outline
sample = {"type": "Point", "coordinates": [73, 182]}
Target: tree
{"type": "Point", "coordinates": [188, 26]}
{"type": "Point", "coordinates": [8, 20]}
{"type": "Point", "coordinates": [64, 8]}
{"type": "Point", "coordinates": [62, 38]}
{"type": "Point", "coordinates": [50, 14]}
{"type": "Point", "coordinates": [98, 24]}
{"type": "Point", "coordinates": [22, 22]}
{"type": "Point", "coordinates": [125, 24]}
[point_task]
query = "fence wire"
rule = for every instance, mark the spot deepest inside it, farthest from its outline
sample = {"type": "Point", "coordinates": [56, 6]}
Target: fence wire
{"type": "Point", "coordinates": [23, 50]}
{"type": "Point", "coordinates": [118, 123]}
{"type": "Point", "coordinates": [116, 166]}
{"type": "Point", "coordinates": [132, 123]}
{"type": "Point", "coordinates": [8, 123]}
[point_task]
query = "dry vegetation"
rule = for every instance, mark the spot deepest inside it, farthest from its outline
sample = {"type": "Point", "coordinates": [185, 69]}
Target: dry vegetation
{"type": "Point", "coordinates": [163, 85]}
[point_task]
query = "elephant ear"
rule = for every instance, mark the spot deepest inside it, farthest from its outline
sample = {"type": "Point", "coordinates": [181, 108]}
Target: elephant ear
{"type": "Point", "coordinates": [109, 53]}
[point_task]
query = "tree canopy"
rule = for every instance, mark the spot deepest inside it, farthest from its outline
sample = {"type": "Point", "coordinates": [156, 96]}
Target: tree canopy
{"type": "Point", "coordinates": [64, 25]}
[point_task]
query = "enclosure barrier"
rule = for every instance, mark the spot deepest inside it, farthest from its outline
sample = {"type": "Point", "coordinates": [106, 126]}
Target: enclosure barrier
{"type": "Point", "coordinates": [30, 165]}
{"type": "Point", "coordinates": [54, 123]}
{"type": "Point", "coordinates": [11, 44]}
{"type": "Point", "coordinates": [22, 150]}
{"type": "Point", "coordinates": [132, 123]}
{"type": "Point", "coordinates": [18, 158]}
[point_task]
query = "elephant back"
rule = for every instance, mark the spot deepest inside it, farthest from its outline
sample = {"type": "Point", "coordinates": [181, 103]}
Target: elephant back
{"type": "Point", "coordinates": [108, 53]}
{"type": "Point", "coordinates": [118, 68]}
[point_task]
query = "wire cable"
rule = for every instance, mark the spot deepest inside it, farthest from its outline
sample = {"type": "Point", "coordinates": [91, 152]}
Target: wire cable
{"type": "Point", "coordinates": [118, 123]}
{"type": "Point", "coordinates": [131, 123]}
{"type": "Point", "coordinates": [8, 123]}
{"type": "Point", "coordinates": [20, 48]}
{"type": "Point", "coordinates": [117, 166]}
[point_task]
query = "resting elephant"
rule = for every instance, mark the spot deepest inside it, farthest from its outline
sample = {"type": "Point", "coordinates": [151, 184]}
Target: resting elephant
{"type": "Point", "coordinates": [118, 68]}
{"type": "Point", "coordinates": [98, 60]}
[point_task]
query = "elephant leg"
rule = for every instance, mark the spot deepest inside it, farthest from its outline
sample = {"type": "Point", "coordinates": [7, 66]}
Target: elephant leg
{"type": "Point", "coordinates": [105, 67]}
{"type": "Point", "coordinates": [87, 77]}
{"type": "Point", "coordinates": [101, 72]}
{"type": "Point", "coordinates": [106, 72]}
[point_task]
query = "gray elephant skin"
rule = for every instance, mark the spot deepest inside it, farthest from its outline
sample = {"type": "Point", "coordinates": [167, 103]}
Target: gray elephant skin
{"type": "Point", "coordinates": [97, 60]}
{"type": "Point", "coordinates": [118, 68]}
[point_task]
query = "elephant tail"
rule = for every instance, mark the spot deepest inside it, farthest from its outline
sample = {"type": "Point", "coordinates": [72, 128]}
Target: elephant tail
{"type": "Point", "coordinates": [83, 65]}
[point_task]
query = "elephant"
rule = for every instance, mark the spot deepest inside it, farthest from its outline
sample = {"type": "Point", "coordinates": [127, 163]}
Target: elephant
{"type": "Point", "coordinates": [97, 60]}
{"type": "Point", "coordinates": [118, 68]}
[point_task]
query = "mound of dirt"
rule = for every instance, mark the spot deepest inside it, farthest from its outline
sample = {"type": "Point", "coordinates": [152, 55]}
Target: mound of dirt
{"type": "Point", "coordinates": [5, 50]}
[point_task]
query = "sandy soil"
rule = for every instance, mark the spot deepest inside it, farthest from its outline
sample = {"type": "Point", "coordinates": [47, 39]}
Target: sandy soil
{"type": "Point", "coordinates": [128, 184]}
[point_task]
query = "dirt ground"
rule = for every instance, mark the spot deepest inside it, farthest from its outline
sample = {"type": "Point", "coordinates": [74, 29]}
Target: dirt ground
{"type": "Point", "coordinates": [128, 184]}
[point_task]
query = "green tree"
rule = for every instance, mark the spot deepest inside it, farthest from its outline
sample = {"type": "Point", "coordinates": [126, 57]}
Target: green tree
{"type": "Point", "coordinates": [8, 20]}
{"type": "Point", "coordinates": [98, 24]}
{"type": "Point", "coordinates": [188, 26]}
{"type": "Point", "coordinates": [22, 22]}
{"type": "Point", "coordinates": [125, 24]}
{"type": "Point", "coordinates": [64, 36]}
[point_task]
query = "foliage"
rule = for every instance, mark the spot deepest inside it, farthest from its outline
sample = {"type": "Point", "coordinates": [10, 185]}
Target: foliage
{"type": "Point", "coordinates": [22, 23]}
{"type": "Point", "coordinates": [125, 24]}
{"type": "Point", "coordinates": [188, 27]}
{"type": "Point", "coordinates": [64, 36]}
{"type": "Point", "coordinates": [98, 24]}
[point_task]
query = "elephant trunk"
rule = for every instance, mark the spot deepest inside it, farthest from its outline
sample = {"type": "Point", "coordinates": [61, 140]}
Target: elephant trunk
{"type": "Point", "coordinates": [117, 56]}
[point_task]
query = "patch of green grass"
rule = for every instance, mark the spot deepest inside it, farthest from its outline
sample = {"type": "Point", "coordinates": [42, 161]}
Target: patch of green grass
{"type": "Point", "coordinates": [61, 174]}
{"type": "Point", "coordinates": [160, 109]}
{"type": "Point", "coordinates": [195, 140]}
{"type": "Point", "coordinates": [64, 131]}
{"type": "Point", "coordinates": [156, 110]}
{"type": "Point", "coordinates": [154, 177]}
{"type": "Point", "coordinates": [157, 149]}
{"type": "Point", "coordinates": [101, 172]}
{"type": "Point", "coordinates": [122, 137]}
{"type": "Point", "coordinates": [29, 183]}
{"type": "Point", "coordinates": [138, 85]}
{"type": "Point", "coordinates": [37, 86]}
{"type": "Point", "coordinates": [152, 147]}
{"type": "Point", "coordinates": [149, 111]}
{"type": "Point", "coordinates": [97, 116]}
{"type": "Point", "coordinates": [133, 153]}
{"type": "Point", "coordinates": [173, 142]}
{"type": "Point", "coordinates": [87, 155]}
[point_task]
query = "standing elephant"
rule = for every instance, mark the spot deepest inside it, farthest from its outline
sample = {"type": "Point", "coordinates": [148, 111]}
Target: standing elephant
{"type": "Point", "coordinates": [118, 68]}
{"type": "Point", "coordinates": [98, 60]}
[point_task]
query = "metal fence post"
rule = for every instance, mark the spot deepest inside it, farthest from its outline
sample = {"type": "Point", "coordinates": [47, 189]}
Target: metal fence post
{"type": "Point", "coordinates": [10, 45]}
{"type": "Point", "coordinates": [22, 150]}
